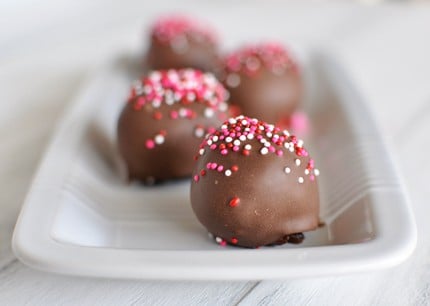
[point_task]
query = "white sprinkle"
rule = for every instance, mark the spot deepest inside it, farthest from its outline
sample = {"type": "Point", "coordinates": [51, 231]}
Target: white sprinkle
{"type": "Point", "coordinates": [199, 132]}
{"type": "Point", "coordinates": [233, 80]}
{"type": "Point", "coordinates": [269, 134]}
{"type": "Point", "coordinates": [261, 127]}
{"type": "Point", "coordinates": [306, 171]}
{"type": "Point", "coordinates": [182, 112]}
{"type": "Point", "coordinates": [244, 122]}
{"type": "Point", "coordinates": [267, 144]}
{"type": "Point", "coordinates": [159, 139]}
{"type": "Point", "coordinates": [223, 127]}
{"type": "Point", "coordinates": [232, 121]}
{"type": "Point", "coordinates": [202, 151]}
{"type": "Point", "coordinates": [300, 143]}
{"type": "Point", "coordinates": [285, 132]}
{"type": "Point", "coordinates": [264, 150]}
{"type": "Point", "coordinates": [227, 172]}
{"type": "Point", "coordinates": [215, 138]}
{"type": "Point", "coordinates": [242, 138]}
{"type": "Point", "coordinates": [209, 142]}
{"type": "Point", "coordinates": [298, 162]}
{"type": "Point", "coordinates": [316, 172]}
{"type": "Point", "coordinates": [250, 136]}
{"type": "Point", "coordinates": [218, 239]}
{"type": "Point", "coordinates": [228, 139]}
{"type": "Point", "coordinates": [286, 145]}
{"type": "Point", "coordinates": [301, 180]}
{"type": "Point", "coordinates": [287, 170]}
{"type": "Point", "coordinates": [223, 106]}
{"type": "Point", "coordinates": [209, 112]}
{"type": "Point", "coordinates": [236, 142]}
{"type": "Point", "coordinates": [291, 148]}
{"type": "Point", "coordinates": [248, 147]}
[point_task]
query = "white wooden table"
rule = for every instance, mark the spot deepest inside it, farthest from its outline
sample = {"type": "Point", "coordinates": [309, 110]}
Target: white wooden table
{"type": "Point", "coordinates": [46, 52]}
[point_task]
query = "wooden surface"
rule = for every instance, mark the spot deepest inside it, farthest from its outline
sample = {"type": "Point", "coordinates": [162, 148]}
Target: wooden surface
{"type": "Point", "coordinates": [46, 53]}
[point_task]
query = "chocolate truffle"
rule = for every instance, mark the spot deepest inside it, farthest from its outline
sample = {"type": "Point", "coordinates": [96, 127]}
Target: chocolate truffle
{"type": "Point", "coordinates": [255, 185]}
{"type": "Point", "coordinates": [166, 118]}
{"type": "Point", "coordinates": [263, 81]}
{"type": "Point", "coordinates": [181, 42]}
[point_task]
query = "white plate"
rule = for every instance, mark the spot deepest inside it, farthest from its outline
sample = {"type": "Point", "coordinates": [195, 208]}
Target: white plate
{"type": "Point", "coordinates": [80, 218]}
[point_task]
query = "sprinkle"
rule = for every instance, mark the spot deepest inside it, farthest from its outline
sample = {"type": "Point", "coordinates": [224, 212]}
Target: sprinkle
{"type": "Point", "coordinates": [213, 166]}
{"type": "Point", "coordinates": [203, 172]}
{"type": "Point", "coordinates": [149, 144]}
{"type": "Point", "coordinates": [287, 170]}
{"type": "Point", "coordinates": [208, 112]}
{"type": "Point", "coordinates": [234, 168]}
{"type": "Point", "coordinates": [233, 80]}
{"type": "Point", "coordinates": [234, 240]}
{"type": "Point", "coordinates": [159, 139]}
{"type": "Point", "coordinates": [298, 162]}
{"type": "Point", "coordinates": [157, 115]}
{"type": "Point", "coordinates": [306, 171]}
{"type": "Point", "coordinates": [248, 147]}
{"type": "Point", "coordinates": [202, 151]}
{"type": "Point", "coordinates": [264, 151]}
{"type": "Point", "coordinates": [220, 168]}
{"type": "Point", "coordinates": [218, 239]}
{"type": "Point", "coordinates": [227, 172]}
{"type": "Point", "coordinates": [301, 180]}
{"type": "Point", "coordinates": [316, 172]}
{"type": "Point", "coordinates": [199, 132]}
{"type": "Point", "coordinates": [196, 178]}
{"type": "Point", "coordinates": [234, 202]}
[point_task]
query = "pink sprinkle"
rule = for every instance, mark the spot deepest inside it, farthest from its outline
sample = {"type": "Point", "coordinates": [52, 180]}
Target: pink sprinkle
{"type": "Point", "coordinates": [279, 153]}
{"type": "Point", "coordinates": [235, 148]}
{"type": "Point", "coordinates": [223, 243]}
{"type": "Point", "coordinates": [272, 149]}
{"type": "Point", "coordinates": [213, 166]}
{"type": "Point", "coordinates": [150, 144]}
{"type": "Point", "coordinates": [174, 114]}
{"type": "Point", "coordinates": [224, 151]}
{"type": "Point", "coordinates": [213, 146]}
{"type": "Point", "coordinates": [208, 165]}
{"type": "Point", "coordinates": [312, 177]}
{"type": "Point", "coordinates": [220, 168]}
{"type": "Point", "coordinates": [196, 178]}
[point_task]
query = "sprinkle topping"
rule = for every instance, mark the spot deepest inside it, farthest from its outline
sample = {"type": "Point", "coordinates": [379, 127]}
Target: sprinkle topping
{"type": "Point", "coordinates": [250, 59]}
{"type": "Point", "coordinates": [176, 29]}
{"type": "Point", "coordinates": [183, 86]}
{"type": "Point", "coordinates": [234, 137]}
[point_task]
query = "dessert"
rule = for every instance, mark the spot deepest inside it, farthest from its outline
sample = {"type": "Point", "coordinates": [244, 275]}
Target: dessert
{"type": "Point", "coordinates": [255, 185]}
{"type": "Point", "coordinates": [263, 81]}
{"type": "Point", "coordinates": [181, 42]}
{"type": "Point", "coordinates": [166, 118]}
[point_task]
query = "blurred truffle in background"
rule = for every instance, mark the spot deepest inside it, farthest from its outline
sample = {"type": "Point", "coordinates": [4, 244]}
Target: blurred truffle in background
{"type": "Point", "coordinates": [263, 81]}
{"type": "Point", "coordinates": [182, 42]}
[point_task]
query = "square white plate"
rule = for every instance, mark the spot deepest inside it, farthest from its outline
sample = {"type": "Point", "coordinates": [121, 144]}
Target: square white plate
{"type": "Point", "coordinates": [80, 218]}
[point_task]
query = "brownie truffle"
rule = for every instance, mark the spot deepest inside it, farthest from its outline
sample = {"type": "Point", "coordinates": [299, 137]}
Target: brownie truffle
{"type": "Point", "coordinates": [165, 120]}
{"type": "Point", "coordinates": [255, 185]}
{"type": "Point", "coordinates": [181, 42]}
{"type": "Point", "coordinates": [263, 81]}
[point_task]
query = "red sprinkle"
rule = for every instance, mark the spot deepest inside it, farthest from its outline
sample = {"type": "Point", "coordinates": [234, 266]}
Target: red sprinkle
{"type": "Point", "coordinates": [203, 172]}
{"type": "Point", "coordinates": [157, 115]}
{"type": "Point", "coordinates": [234, 168]}
{"type": "Point", "coordinates": [234, 240]}
{"type": "Point", "coordinates": [234, 202]}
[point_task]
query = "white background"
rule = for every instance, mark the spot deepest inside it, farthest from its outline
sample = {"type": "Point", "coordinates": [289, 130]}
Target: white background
{"type": "Point", "coordinates": [48, 48]}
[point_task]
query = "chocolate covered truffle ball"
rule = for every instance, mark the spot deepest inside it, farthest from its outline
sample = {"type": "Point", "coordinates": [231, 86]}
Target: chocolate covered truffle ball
{"type": "Point", "coordinates": [181, 42]}
{"type": "Point", "coordinates": [165, 120]}
{"type": "Point", "coordinates": [263, 81]}
{"type": "Point", "coordinates": [255, 185]}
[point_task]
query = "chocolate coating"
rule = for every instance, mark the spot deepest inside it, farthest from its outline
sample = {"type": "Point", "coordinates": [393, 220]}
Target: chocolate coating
{"type": "Point", "coordinates": [263, 82]}
{"type": "Point", "coordinates": [254, 201]}
{"type": "Point", "coordinates": [179, 42]}
{"type": "Point", "coordinates": [159, 135]}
